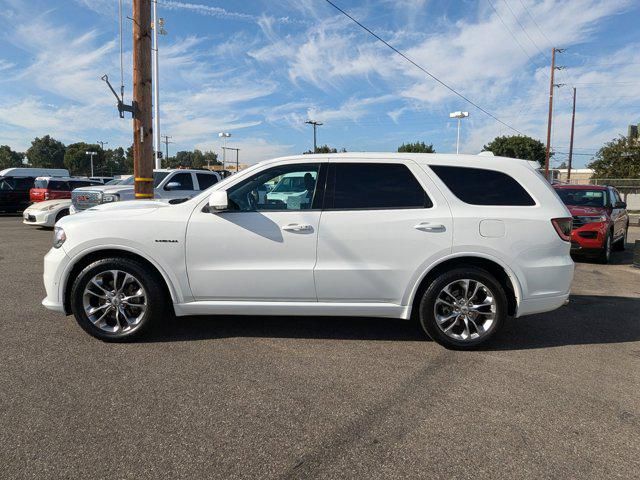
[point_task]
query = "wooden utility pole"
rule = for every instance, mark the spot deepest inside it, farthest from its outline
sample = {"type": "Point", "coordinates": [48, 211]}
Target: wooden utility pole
{"type": "Point", "coordinates": [547, 152]}
{"type": "Point", "coordinates": [142, 121]}
{"type": "Point", "coordinates": [573, 122]}
{"type": "Point", "coordinates": [315, 126]}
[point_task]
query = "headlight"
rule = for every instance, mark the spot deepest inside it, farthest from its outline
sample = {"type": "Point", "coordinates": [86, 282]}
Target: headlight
{"type": "Point", "coordinates": [593, 219]}
{"type": "Point", "coordinates": [110, 197]}
{"type": "Point", "coordinates": [51, 207]}
{"type": "Point", "coordinates": [59, 237]}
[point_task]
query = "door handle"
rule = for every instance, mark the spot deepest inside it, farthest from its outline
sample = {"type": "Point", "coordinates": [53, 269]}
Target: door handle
{"type": "Point", "coordinates": [430, 227]}
{"type": "Point", "coordinates": [297, 227]}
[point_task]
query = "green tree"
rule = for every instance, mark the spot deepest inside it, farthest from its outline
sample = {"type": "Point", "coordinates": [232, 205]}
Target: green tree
{"type": "Point", "coordinates": [129, 161]}
{"type": "Point", "coordinates": [211, 158]}
{"type": "Point", "coordinates": [46, 152]}
{"type": "Point", "coordinates": [563, 165]}
{"type": "Point", "coordinates": [417, 147]}
{"type": "Point", "coordinates": [518, 146]}
{"type": "Point", "coordinates": [78, 162]}
{"type": "Point", "coordinates": [115, 162]}
{"type": "Point", "coordinates": [324, 149]}
{"type": "Point", "coordinates": [619, 158]}
{"type": "Point", "coordinates": [10, 158]}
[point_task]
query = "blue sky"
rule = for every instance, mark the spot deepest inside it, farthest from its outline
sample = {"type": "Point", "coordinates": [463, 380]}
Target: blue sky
{"type": "Point", "coordinates": [259, 69]}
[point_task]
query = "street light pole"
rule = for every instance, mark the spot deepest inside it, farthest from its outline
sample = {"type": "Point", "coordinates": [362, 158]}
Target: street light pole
{"type": "Point", "coordinates": [91, 154]}
{"type": "Point", "coordinates": [224, 136]}
{"type": "Point", "coordinates": [459, 116]}
{"type": "Point", "coordinates": [158, 29]}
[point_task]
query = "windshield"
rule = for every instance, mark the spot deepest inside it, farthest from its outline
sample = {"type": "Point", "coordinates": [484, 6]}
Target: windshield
{"type": "Point", "coordinates": [6, 183]}
{"type": "Point", "coordinates": [158, 177]}
{"type": "Point", "coordinates": [583, 197]}
{"type": "Point", "coordinates": [114, 182]}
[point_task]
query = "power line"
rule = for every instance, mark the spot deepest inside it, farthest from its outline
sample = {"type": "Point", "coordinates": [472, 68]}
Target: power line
{"type": "Point", "coordinates": [512, 34]}
{"type": "Point", "coordinates": [422, 68]}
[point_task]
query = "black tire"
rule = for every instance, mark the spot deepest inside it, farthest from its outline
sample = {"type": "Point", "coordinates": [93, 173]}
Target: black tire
{"type": "Point", "coordinates": [622, 243]}
{"type": "Point", "coordinates": [605, 253]}
{"type": "Point", "coordinates": [61, 213]}
{"type": "Point", "coordinates": [427, 316]}
{"type": "Point", "coordinates": [157, 303]}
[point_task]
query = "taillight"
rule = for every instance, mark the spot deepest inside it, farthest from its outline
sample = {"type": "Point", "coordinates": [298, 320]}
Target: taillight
{"type": "Point", "coordinates": [46, 195]}
{"type": "Point", "coordinates": [563, 226]}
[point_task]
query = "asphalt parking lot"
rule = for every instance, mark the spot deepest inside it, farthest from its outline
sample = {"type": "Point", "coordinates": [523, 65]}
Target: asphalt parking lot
{"type": "Point", "coordinates": [555, 396]}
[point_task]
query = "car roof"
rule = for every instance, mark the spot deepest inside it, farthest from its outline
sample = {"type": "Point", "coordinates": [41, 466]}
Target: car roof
{"type": "Point", "coordinates": [581, 187]}
{"type": "Point", "coordinates": [452, 159]}
{"type": "Point", "coordinates": [66, 179]}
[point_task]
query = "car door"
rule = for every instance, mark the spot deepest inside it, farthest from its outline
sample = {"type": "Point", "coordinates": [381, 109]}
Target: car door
{"type": "Point", "coordinates": [383, 222]}
{"type": "Point", "coordinates": [257, 250]}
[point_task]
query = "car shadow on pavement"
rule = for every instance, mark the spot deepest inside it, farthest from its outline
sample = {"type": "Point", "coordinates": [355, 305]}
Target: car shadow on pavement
{"type": "Point", "coordinates": [586, 320]}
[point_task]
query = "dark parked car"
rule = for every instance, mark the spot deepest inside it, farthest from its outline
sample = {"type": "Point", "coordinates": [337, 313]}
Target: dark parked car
{"type": "Point", "coordinates": [14, 193]}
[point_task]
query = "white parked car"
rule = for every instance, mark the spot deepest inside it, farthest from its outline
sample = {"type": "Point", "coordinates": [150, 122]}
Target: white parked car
{"type": "Point", "coordinates": [459, 242]}
{"type": "Point", "coordinates": [167, 185]}
{"type": "Point", "coordinates": [46, 213]}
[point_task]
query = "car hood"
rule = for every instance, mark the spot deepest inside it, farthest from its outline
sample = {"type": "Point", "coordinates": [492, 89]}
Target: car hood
{"type": "Point", "coordinates": [63, 202]}
{"type": "Point", "coordinates": [585, 211]}
{"type": "Point", "coordinates": [106, 188]}
{"type": "Point", "coordinates": [130, 205]}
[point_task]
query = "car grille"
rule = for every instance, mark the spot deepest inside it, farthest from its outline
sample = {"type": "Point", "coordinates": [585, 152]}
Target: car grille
{"type": "Point", "coordinates": [30, 218]}
{"type": "Point", "coordinates": [83, 200]}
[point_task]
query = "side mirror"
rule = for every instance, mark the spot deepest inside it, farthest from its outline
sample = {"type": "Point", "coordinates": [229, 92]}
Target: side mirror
{"type": "Point", "coordinates": [172, 186]}
{"type": "Point", "coordinates": [218, 201]}
{"type": "Point", "coordinates": [620, 205]}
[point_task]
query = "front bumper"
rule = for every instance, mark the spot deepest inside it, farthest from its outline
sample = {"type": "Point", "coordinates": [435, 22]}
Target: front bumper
{"type": "Point", "coordinates": [40, 218]}
{"type": "Point", "coordinates": [588, 237]}
{"type": "Point", "coordinates": [56, 262]}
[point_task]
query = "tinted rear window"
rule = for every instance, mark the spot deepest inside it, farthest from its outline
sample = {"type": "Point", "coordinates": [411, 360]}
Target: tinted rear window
{"type": "Point", "coordinates": [478, 186]}
{"type": "Point", "coordinates": [375, 185]}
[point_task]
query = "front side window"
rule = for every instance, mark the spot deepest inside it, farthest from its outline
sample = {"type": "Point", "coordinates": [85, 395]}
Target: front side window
{"type": "Point", "coordinates": [479, 186]}
{"type": "Point", "coordinates": [286, 187]}
{"type": "Point", "coordinates": [374, 186]}
{"type": "Point", "coordinates": [205, 180]}
{"type": "Point", "coordinates": [184, 180]}
{"type": "Point", "coordinates": [582, 197]}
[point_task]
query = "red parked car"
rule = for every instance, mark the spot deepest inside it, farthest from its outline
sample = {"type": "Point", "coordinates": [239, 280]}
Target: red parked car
{"type": "Point", "coordinates": [54, 188]}
{"type": "Point", "coordinates": [600, 219]}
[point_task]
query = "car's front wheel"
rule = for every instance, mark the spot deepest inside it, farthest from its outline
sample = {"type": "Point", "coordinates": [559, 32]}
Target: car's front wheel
{"type": "Point", "coordinates": [463, 308]}
{"type": "Point", "coordinates": [117, 299]}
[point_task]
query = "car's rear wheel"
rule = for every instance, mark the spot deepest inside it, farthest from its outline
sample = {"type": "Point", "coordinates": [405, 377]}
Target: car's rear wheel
{"type": "Point", "coordinates": [117, 299]}
{"type": "Point", "coordinates": [605, 254]}
{"type": "Point", "coordinates": [463, 308]}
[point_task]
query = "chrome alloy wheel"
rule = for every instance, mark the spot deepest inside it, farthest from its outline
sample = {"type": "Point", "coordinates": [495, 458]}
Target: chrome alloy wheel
{"type": "Point", "coordinates": [115, 301]}
{"type": "Point", "coordinates": [465, 310]}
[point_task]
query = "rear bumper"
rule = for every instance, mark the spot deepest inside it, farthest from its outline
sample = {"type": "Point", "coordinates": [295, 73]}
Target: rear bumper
{"type": "Point", "coordinates": [589, 237]}
{"type": "Point", "coordinates": [540, 305]}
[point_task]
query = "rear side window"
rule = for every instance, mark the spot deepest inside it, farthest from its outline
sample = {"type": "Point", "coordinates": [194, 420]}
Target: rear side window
{"type": "Point", "coordinates": [478, 186]}
{"type": "Point", "coordinates": [40, 184]}
{"type": "Point", "coordinates": [206, 180]}
{"type": "Point", "coordinates": [374, 186]}
{"type": "Point", "coordinates": [58, 185]}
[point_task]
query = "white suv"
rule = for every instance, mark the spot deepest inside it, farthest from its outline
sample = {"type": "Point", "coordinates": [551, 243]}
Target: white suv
{"type": "Point", "coordinates": [459, 242]}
